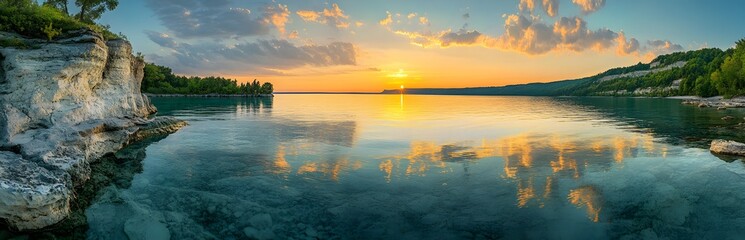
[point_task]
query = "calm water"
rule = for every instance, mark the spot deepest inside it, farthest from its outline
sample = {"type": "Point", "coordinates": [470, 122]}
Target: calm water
{"type": "Point", "coordinates": [430, 167]}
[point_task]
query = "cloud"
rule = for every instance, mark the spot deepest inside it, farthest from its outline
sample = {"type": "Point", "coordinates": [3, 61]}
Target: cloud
{"type": "Point", "coordinates": [626, 47]}
{"type": "Point", "coordinates": [277, 16]}
{"type": "Point", "coordinates": [334, 16]}
{"type": "Point", "coordinates": [527, 35]}
{"type": "Point", "coordinates": [573, 34]}
{"type": "Point", "coordinates": [550, 6]}
{"type": "Point", "coordinates": [259, 57]}
{"type": "Point", "coordinates": [387, 20]}
{"type": "Point", "coordinates": [217, 18]}
{"type": "Point", "coordinates": [423, 20]}
{"type": "Point", "coordinates": [660, 47]}
{"type": "Point", "coordinates": [446, 38]}
{"type": "Point", "coordinates": [466, 16]}
{"type": "Point", "coordinates": [526, 5]}
{"type": "Point", "coordinates": [161, 39]}
{"type": "Point", "coordinates": [293, 35]}
{"type": "Point", "coordinates": [359, 23]}
{"type": "Point", "coordinates": [531, 36]}
{"type": "Point", "coordinates": [411, 15]}
{"type": "Point", "coordinates": [589, 6]}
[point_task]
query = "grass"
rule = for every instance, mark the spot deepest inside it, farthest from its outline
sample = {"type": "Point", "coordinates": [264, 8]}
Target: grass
{"type": "Point", "coordinates": [13, 43]}
{"type": "Point", "coordinates": [35, 21]}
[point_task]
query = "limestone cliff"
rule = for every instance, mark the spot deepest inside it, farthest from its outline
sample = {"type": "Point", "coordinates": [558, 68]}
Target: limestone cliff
{"type": "Point", "coordinates": [64, 104]}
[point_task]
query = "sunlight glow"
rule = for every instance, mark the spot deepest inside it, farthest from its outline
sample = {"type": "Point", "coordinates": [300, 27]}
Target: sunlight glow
{"type": "Point", "coordinates": [399, 74]}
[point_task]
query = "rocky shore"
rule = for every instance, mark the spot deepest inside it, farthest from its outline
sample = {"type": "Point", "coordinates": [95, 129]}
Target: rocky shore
{"type": "Point", "coordinates": [65, 104]}
{"type": "Point", "coordinates": [714, 102]}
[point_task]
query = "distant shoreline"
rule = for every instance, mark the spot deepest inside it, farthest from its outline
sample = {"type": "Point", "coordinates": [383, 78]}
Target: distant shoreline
{"type": "Point", "coordinates": [327, 93]}
{"type": "Point", "coordinates": [210, 95]}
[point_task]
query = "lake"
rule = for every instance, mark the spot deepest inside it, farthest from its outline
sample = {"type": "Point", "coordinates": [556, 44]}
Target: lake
{"type": "Point", "coordinates": [429, 167]}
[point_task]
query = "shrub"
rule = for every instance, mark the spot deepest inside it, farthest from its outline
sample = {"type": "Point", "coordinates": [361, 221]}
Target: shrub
{"type": "Point", "coordinates": [51, 32]}
{"type": "Point", "coordinates": [30, 20]}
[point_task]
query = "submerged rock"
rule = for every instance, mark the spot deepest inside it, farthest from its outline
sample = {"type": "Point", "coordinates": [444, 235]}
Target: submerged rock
{"type": "Point", "coordinates": [143, 228]}
{"type": "Point", "coordinates": [63, 105]}
{"type": "Point", "coordinates": [727, 147]}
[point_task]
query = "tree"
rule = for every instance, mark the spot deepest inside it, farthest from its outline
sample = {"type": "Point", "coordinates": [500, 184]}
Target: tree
{"type": "Point", "coordinates": [255, 88]}
{"type": "Point", "coordinates": [16, 3]}
{"type": "Point", "coordinates": [58, 4]}
{"type": "Point", "coordinates": [90, 10]}
{"type": "Point", "coordinates": [267, 88]}
{"type": "Point", "coordinates": [730, 78]}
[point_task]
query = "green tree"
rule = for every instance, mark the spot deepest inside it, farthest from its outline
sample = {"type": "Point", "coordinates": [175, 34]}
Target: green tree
{"type": "Point", "coordinates": [16, 3]}
{"type": "Point", "coordinates": [58, 4]}
{"type": "Point", "coordinates": [730, 78]}
{"type": "Point", "coordinates": [91, 10]}
{"type": "Point", "coordinates": [267, 88]}
{"type": "Point", "coordinates": [255, 88]}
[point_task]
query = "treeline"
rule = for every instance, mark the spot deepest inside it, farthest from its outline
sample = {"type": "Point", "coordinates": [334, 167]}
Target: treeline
{"type": "Point", "coordinates": [52, 18]}
{"type": "Point", "coordinates": [161, 80]}
{"type": "Point", "coordinates": [707, 72]}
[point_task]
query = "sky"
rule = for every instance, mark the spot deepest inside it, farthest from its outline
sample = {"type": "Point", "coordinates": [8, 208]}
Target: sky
{"type": "Point", "coordinates": [368, 46]}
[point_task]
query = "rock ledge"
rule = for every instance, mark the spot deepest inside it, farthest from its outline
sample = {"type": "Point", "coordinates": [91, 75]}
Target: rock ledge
{"type": "Point", "coordinates": [63, 105]}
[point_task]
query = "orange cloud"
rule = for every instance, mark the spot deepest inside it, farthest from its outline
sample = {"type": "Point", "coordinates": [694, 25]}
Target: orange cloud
{"type": "Point", "coordinates": [423, 20]}
{"type": "Point", "coordinates": [387, 20]}
{"type": "Point", "coordinates": [278, 16]}
{"type": "Point", "coordinates": [589, 6]}
{"type": "Point", "coordinates": [334, 16]}
{"type": "Point", "coordinates": [531, 36]}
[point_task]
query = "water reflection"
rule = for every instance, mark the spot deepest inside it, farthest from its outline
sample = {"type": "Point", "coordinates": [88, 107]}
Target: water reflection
{"type": "Point", "coordinates": [190, 107]}
{"type": "Point", "coordinates": [665, 118]}
{"type": "Point", "coordinates": [589, 198]}
{"type": "Point", "coordinates": [535, 164]}
{"type": "Point", "coordinates": [432, 167]}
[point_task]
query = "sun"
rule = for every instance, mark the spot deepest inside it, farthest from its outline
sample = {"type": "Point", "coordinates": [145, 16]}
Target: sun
{"type": "Point", "coordinates": [402, 86]}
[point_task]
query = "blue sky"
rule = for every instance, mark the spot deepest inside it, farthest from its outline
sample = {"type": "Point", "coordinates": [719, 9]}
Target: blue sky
{"type": "Point", "coordinates": [351, 48]}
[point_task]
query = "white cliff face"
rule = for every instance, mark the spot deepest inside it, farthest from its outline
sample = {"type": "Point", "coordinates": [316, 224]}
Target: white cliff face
{"type": "Point", "coordinates": [63, 105]}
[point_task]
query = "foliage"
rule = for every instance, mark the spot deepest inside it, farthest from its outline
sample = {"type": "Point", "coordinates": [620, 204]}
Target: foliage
{"type": "Point", "coordinates": [729, 79]}
{"type": "Point", "coordinates": [14, 43]}
{"type": "Point", "coordinates": [267, 88]}
{"type": "Point", "coordinates": [51, 32]}
{"type": "Point", "coordinates": [30, 19]}
{"type": "Point", "coordinates": [91, 10]}
{"type": "Point", "coordinates": [161, 80]}
{"type": "Point", "coordinates": [694, 77]}
{"type": "Point", "coordinates": [58, 4]}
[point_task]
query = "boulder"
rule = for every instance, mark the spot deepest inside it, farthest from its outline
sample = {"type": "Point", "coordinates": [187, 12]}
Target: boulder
{"type": "Point", "coordinates": [727, 147]}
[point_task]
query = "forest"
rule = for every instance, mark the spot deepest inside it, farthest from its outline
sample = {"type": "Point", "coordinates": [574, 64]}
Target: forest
{"type": "Point", "coordinates": [161, 80]}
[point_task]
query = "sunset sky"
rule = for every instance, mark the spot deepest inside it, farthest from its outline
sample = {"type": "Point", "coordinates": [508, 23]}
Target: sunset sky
{"type": "Point", "coordinates": [369, 46]}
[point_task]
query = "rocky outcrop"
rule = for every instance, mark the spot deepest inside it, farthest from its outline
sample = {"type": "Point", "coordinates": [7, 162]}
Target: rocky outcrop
{"type": "Point", "coordinates": [64, 104]}
{"type": "Point", "coordinates": [655, 69]}
{"type": "Point", "coordinates": [727, 147]}
{"type": "Point", "coordinates": [719, 103]}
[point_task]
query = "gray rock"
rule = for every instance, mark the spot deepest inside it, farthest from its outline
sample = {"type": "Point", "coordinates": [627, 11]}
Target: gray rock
{"type": "Point", "coordinates": [727, 147]}
{"type": "Point", "coordinates": [62, 106]}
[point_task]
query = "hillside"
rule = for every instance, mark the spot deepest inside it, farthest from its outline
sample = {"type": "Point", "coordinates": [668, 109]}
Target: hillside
{"type": "Point", "coordinates": [699, 72]}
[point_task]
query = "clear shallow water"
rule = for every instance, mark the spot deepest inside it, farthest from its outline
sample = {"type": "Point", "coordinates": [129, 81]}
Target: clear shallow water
{"type": "Point", "coordinates": [430, 167]}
